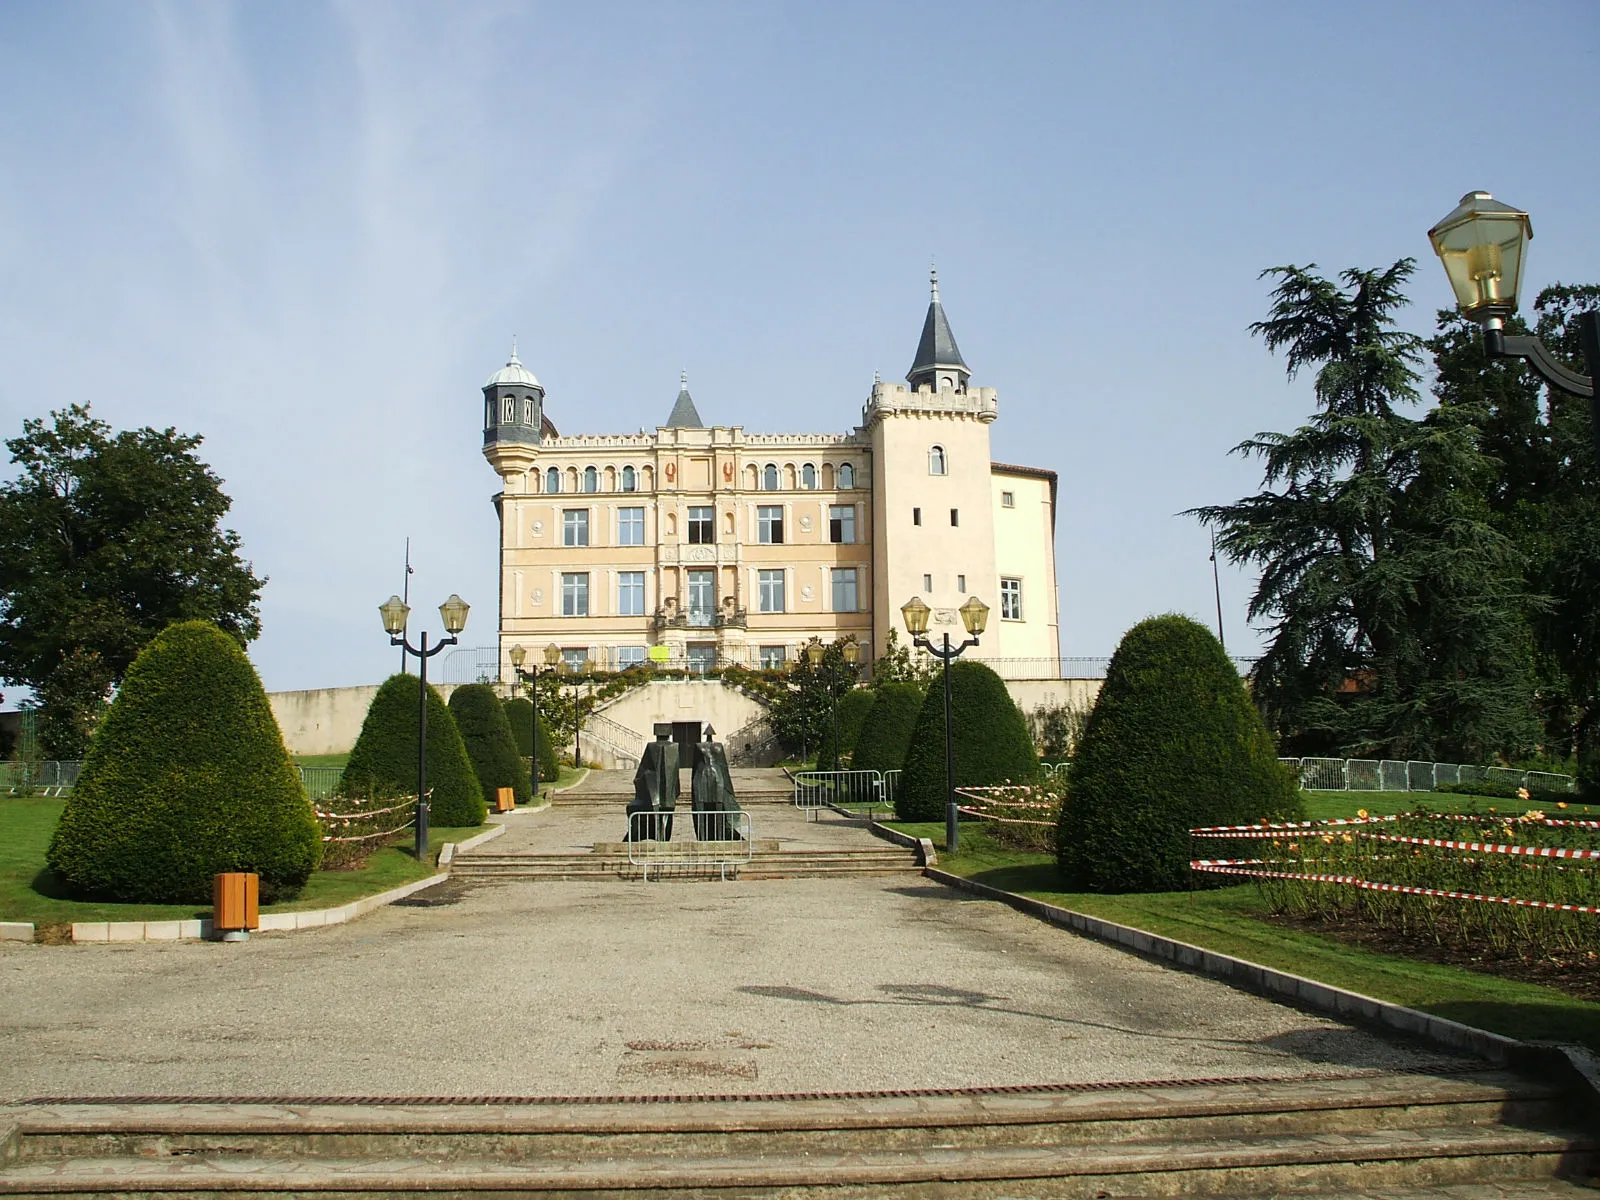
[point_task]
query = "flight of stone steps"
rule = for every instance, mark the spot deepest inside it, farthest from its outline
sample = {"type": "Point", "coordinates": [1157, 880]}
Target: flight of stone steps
{"type": "Point", "coordinates": [609, 860]}
{"type": "Point", "coordinates": [1452, 1133]}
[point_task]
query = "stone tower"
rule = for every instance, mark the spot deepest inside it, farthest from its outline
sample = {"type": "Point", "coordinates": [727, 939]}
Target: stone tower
{"type": "Point", "coordinates": [513, 417]}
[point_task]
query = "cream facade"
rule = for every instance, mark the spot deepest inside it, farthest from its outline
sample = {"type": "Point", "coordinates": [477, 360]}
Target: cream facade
{"type": "Point", "coordinates": [705, 545]}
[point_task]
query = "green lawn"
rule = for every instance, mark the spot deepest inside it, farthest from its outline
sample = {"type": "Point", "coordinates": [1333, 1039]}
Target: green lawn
{"type": "Point", "coordinates": [1233, 921]}
{"type": "Point", "coordinates": [1322, 806]}
{"type": "Point", "coordinates": [29, 892]}
{"type": "Point", "coordinates": [322, 760]}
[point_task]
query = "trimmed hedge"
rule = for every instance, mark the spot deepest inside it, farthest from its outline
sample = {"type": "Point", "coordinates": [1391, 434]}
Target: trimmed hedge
{"type": "Point", "coordinates": [384, 761]}
{"type": "Point", "coordinates": [990, 738]}
{"type": "Point", "coordinates": [1173, 742]}
{"type": "Point", "coordinates": [886, 727]}
{"type": "Point", "coordinates": [1589, 775]}
{"type": "Point", "coordinates": [519, 711]}
{"type": "Point", "coordinates": [186, 777]}
{"type": "Point", "coordinates": [486, 732]}
{"type": "Point", "coordinates": [853, 706]}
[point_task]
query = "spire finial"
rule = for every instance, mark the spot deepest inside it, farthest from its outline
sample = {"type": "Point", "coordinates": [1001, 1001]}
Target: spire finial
{"type": "Point", "coordinates": [876, 379]}
{"type": "Point", "coordinates": [513, 350]}
{"type": "Point", "coordinates": [683, 380]}
{"type": "Point", "coordinates": [933, 279]}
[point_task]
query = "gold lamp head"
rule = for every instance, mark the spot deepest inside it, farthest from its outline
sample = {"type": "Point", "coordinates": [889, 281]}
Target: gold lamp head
{"type": "Point", "coordinates": [1482, 245]}
{"type": "Point", "coordinates": [453, 612]}
{"type": "Point", "coordinates": [814, 653]}
{"type": "Point", "coordinates": [916, 614]}
{"type": "Point", "coordinates": [394, 614]}
{"type": "Point", "coordinates": [975, 616]}
{"type": "Point", "coordinates": [518, 656]}
{"type": "Point", "coordinates": [852, 653]}
{"type": "Point", "coordinates": [552, 654]}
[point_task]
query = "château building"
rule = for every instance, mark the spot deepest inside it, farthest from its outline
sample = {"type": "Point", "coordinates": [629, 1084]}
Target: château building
{"type": "Point", "coordinates": [705, 544]}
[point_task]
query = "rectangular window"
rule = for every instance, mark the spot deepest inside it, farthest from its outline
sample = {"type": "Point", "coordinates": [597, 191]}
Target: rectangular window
{"type": "Point", "coordinates": [575, 527]}
{"type": "Point", "coordinates": [927, 583]}
{"type": "Point", "coordinates": [844, 589]}
{"type": "Point", "coordinates": [701, 525]}
{"type": "Point", "coordinates": [774, 657]}
{"type": "Point", "coordinates": [769, 524]}
{"type": "Point", "coordinates": [702, 598]}
{"type": "Point", "coordinates": [1011, 599]}
{"type": "Point", "coordinates": [771, 588]}
{"type": "Point", "coordinates": [1008, 500]}
{"type": "Point", "coordinates": [630, 526]}
{"type": "Point", "coordinates": [955, 516]}
{"type": "Point", "coordinates": [630, 656]}
{"type": "Point", "coordinates": [702, 656]}
{"type": "Point", "coordinates": [630, 593]}
{"type": "Point", "coordinates": [961, 584]}
{"type": "Point", "coordinates": [574, 657]}
{"type": "Point", "coordinates": [842, 524]}
{"type": "Point", "coordinates": [916, 516]}
{"type": "Point", "coordinates": [575, 594]}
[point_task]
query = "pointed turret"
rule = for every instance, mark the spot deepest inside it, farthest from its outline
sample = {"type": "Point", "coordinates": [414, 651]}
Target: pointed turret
{"type": "Point", "coordinates": [938, 363]}
{"type": "Point", "coordinates": [513, 416]}
{"type": "Point", "coordinates": [684, 415]}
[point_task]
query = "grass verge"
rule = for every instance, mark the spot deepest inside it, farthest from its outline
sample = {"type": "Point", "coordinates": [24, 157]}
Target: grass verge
{"type": "Point", "coordinates": [1235, 921]}
{"type": "Point", "coordinates": [30, 892]}
{"type": "Point", "coordinates": [1324, 806]}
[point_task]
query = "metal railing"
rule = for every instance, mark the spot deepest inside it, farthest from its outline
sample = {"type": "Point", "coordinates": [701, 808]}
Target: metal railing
{"type": "Point", "coordinates": [51, 777]}
{"type": "Point", "coordinates": [698, 841]}
{"type": "Point", "coordinates": [819, 789]}
{"type": "Point", "coordinates": [1397, 775]}
{"type": "Point", "coordinates": [320, 783]}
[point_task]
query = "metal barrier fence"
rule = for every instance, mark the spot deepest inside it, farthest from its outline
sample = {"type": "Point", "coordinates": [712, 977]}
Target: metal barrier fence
{"type": "Point", "coordinates": [702, 840]}
{"type": "Point", "coordinates": [321, 783]}
{"type": "Point", "coordinates": [53, 778]}
{"type": "Point", "coordinates": [1396, 775]}
{"type": "Point", "coordinates": [818, 789]}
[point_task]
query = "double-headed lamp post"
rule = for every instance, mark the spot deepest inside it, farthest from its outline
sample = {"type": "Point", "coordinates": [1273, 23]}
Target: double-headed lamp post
{"type": "Point", "coordinates": [454, 614]}
{"type": "Point", "coordinates": [852, 654]}
{"type": "Point", "coordinates": [552, 655]}
{"type": "Point", "coordinates": [1483, 245]}
{"type": "Point", "coordinates": [975, 616]}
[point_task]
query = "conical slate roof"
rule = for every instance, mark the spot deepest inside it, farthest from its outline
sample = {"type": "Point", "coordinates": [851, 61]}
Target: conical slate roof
{"type": "Point", "coordinates": [684, 414]}
{"type": "Point", "coordinates": [938, 345]}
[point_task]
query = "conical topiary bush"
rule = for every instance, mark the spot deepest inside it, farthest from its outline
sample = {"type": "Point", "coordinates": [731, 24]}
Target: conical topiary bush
{"type": "Point", "coordinates": [520, 713]}
{"type": "Point", "coordinates": [1173, 742]}
{"type": "Point", "coordinates": [186, 777]}
{"type": "Point", "coordinates": [384, 760]}
{"type": "Point", "coordinates": [481, 718]}
{"type": "Point", "coordinates": [886, 727]}
{"type": "Point", "coordinates": [990, 736]}
{"type": "Point", "coordinates": [852, 707]}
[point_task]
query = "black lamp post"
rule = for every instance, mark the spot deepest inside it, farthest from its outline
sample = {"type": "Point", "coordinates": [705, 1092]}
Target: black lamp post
{"type": "Point", "coordinates": [530, 679]}
{"type": "Point", "coordinates": [1483, 245]}
{"type": "Point", "coordinates": [975, 616]}
{"type": "Point", "coordinates": [454, 613]}
{"type": "Point", "coordinates": [814, 654]}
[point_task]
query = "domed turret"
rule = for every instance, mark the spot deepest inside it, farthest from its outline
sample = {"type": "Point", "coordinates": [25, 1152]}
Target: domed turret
{"type": "Point", "coordinates": [513, 416]}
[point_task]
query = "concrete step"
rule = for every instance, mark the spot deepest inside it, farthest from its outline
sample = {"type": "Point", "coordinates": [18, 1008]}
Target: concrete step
{"type": "Point", "coordinates": [1360, 1135]}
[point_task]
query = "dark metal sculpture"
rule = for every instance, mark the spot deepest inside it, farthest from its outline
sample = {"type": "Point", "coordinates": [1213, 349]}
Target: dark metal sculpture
{"type": "Point", "coordinates": [655, 790]}
{"type": "Point", "coordinates": [712, 791]}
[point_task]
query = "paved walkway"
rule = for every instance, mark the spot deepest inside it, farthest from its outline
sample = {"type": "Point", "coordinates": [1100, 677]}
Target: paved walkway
{"type": "Point", "coordinates": [626, 988]}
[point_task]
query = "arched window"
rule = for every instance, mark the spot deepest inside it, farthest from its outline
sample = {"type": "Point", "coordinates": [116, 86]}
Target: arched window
{"type": "Point", "coordinates": [936, 461]}
{"type": "Point", "coordinates": [847, 476]}
{"type": "Point", "coordinates": [591, 480]}
{"type": "Point", "coordinates": [769, 478]}
{"type": "Point", "coordinates": [629, 480]}
{"type": "Point", "coordinates": [808, 476]}
{"type": "Point", "coordinates": [552, 480]}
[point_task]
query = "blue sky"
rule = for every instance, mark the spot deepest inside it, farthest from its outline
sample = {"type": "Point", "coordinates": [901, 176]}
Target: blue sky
{"type": "Point", "coordinates": [309, 231]}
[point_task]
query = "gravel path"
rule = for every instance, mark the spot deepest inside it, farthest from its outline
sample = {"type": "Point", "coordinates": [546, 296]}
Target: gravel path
{"type": "Point", "coordinates": [605, 988]}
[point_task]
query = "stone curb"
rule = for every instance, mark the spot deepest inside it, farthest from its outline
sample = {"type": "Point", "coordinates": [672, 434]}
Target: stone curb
{"type": "Point", "coordinates": [286, 922]}
{"type": "Point", "coordinates": [16, 931]}
{"type": "Point", "coordinates": [922, 846]}
{"type": "Point", "coordinates": [449, 850]}
{"type": "Point", "coordinates": [1571, 1064]}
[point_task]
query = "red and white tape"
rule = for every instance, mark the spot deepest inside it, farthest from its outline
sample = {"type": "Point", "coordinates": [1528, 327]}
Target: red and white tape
{"type": "Point", "coordinates": [1235, 866]}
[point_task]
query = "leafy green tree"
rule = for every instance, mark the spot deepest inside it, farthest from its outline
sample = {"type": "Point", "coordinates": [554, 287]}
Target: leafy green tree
{"type": "Point", "coordinates": [105, 539]}
{"type": "Point", "coordinates": [519, 712]}
{"type": "Point", "coordinates": [1173, 742]}
{"type": "Point", "coordinates": [186, 777]}
{"type": "Point", "coordinates": [492, 747]}
{"type": "Point", "coordinates": [384, 759]}
{"type": "Point", "coordinates": [989, 735]}
{"type": "Point", "coordinates": [887, 727]}
{"type": "Point", "coordinates": [801, 715]}
{"type": "Point", "coordinates": [1396, 608]}
{"type": "Point", "coordinates": [900, 664]}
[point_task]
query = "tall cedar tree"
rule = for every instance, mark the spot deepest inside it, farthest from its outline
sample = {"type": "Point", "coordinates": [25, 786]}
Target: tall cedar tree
{"type": "Point", "coordinates": [384, 760]}
{"type": "Point", "coordinates": [492, 747]}
{"type": "Point", "coordinates": [105, 540]}
{"type": "Point", "coordinates": [1396, 607]}
{"type": "Point", "coordinates": [186, 777]}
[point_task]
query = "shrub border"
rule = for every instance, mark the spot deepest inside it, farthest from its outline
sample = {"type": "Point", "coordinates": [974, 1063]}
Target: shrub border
{"type": "Point", "coordinates": [1574, 1067]}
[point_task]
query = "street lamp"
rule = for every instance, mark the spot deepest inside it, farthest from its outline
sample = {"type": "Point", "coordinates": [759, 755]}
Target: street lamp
{"type": "Point", "coordinates": [1483, 245]}
{"type": "Point", "coordinates": [552, 655]}
{"type": "Point", "coordinates": [395, 613]}
{"type": "Point", "coordinates": [975, 616]}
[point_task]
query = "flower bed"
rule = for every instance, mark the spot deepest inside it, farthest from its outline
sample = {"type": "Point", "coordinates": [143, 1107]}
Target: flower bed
{"type": "Point", "coordinates": [355, 828]}
{"type": "Point", "coordinates": [1018, 815]}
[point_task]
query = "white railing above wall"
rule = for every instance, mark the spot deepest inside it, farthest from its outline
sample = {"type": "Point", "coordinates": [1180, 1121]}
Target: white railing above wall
{"type": "Point", "coordinates": [1397, 775]}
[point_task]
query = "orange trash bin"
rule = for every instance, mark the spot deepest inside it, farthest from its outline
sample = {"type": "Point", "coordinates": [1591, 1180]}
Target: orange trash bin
{"type": "Point", "coordinates": [236, 904]}
{"type": "Point", "coordinates": [505, 799]}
